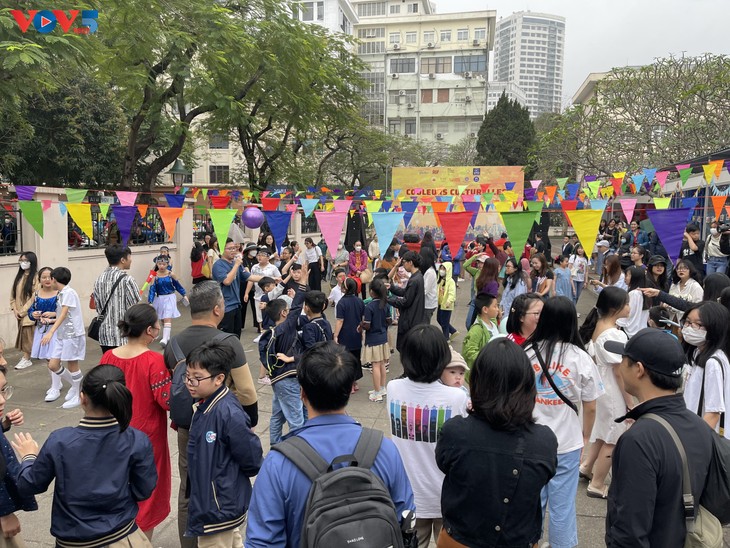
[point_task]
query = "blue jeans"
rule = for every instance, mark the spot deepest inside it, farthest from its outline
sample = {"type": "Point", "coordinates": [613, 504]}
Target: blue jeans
{"type": "Point", "coordinates": [286, 406]}
{"type": "Point", "coordinates": [716, 264]}
{"type": "Point", "coordinates": [443, 317]}
{"type": "Point", "coordinates": [578, 290]}
{"type": "Point", "coordinates": [559, 494]}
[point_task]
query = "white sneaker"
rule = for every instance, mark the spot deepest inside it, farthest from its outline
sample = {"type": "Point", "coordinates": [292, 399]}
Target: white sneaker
{"type": "Point", "coordinates": [163, 343]}
{"type": "Point", "coordinates": [257, 339]}
{"type": "Point", "coordinates": [23, 364]}
{"type": "Point", "coordinates": [52, 395]}
{"type": "Point", "coordinates": [265, 380]}
{"type": "Point", "coordinates": [73, 392]}
{"type": "Point", "coordinates": [73, 402]}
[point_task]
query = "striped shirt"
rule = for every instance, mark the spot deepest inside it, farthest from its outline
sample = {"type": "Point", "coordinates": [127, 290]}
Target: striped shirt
{"type": "Point", "coordinates": [125, 295]}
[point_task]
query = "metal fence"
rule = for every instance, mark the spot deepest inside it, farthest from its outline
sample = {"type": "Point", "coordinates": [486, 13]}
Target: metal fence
{"type": "Point", "coordinates": [12, 240]}
{"type": "Point", "coordinates": [147, 230]}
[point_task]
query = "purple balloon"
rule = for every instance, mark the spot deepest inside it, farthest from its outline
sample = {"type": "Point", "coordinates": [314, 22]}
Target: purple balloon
{"type": "Point", "coordinates": [252, 217]}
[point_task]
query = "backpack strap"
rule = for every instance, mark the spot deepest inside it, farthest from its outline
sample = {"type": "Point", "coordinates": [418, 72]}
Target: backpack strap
{"type": "Point", "coordinates": [176, 350]}
{"type": "Point", "coordinates": [368, 447]}
{"type": "Point", "coordinates": [303, 456]}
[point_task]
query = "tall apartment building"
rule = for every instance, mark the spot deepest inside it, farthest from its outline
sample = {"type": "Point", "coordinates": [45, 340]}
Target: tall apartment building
{"type": "Point", "coordinates": [530, 52]}
{"type": "Point", "coordinates": [428, 71]}
{"type": "Point", "coordinates": [510, 89]}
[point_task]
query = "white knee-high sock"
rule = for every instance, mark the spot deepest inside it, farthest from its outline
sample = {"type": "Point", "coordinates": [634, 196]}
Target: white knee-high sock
{"type": "Point", "coordinates": [166, 331]}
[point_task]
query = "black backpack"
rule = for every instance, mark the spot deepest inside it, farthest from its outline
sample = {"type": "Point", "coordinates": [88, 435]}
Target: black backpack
{"type": "Point", "coordinates": [181, 402]}
{"type": "Point", "coordinates": [347, 506]}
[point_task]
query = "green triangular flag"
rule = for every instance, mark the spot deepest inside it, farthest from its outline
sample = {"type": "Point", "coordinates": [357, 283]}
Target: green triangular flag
{"type": "Point", "coordinates": [537, 208]}
{"type": "Point", "coordinates": [75, 195]}
{"type": "Point", "coordinates": [561, 182]}
{"type": "Point", "coordinates": [685, 174]}
{"type": "Point", "coordinates": [593, 187]}
{"type": "Point", "coordinates": [104, 208]}
{"type": "Point", "coordinates": [487, 197]}
{"type": "Point", "coordinates": [221, 219]}
{"type": "Point", "coordinates": [33, 213]}
{"type": "Point", "coordinates": [518, 225]}
{"type": "Point", "coordinates": [461, 188]}
{"type": "Point", "coordinates": [205, 194]}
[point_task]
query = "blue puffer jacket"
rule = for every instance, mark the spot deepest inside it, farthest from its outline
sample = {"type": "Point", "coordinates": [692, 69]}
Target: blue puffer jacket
{"type": "Point", "coordinates": [223, 453]}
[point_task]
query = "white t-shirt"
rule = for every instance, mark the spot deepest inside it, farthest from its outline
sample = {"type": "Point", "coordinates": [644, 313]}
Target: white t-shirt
{"type": "Point", "coordinates": [578, 267]}
{"type": "Point", "coordinates": [335, 295]}
{"type": "Point", "coordinates": [691, 292]}
{"type": "Point", "coordinates": [73, 325]}
{"type": "Point", "coordinates": [269, 270]}
{"type": "Point", "coordinates": [717, 388]}
{"type": "Point", "coordinates": [312, 254]}
{"type": "Point", "coordinates": [430, 288]}
{"type": "Point", "coordinates": [577, 377]}
{"type": "Point", "coordinates": [638, 317]}
{"type": "Point", "coordinates": [415, 437]}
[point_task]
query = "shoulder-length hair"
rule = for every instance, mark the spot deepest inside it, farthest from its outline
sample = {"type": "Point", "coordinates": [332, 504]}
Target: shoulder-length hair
{"type": "Point", "coordinates": [692, 271]}
{"type": "Point", "coordinates": [502, 385]}
{"type": "Point", "coordinates": [715, 318]}
{"type": "Point", "coordinates": [424, 353]}
{"type": "Point", "coordinates": [558, 324]}
{"type": "Point", "coordinates": [488, 273]}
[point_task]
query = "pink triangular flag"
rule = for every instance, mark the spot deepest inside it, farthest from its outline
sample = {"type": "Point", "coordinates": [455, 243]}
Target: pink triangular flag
{"type": "Point", "coordinates": [331, 224]}
{"type": "Point", "coordinates": [661, 178]}
{"type": "Point", "coordinates": [340, 207]}
{"type": "Point", "coordinates": [536, 183]}
{"type": "Point", "coordinates": [46, 204]}
{"type": "Point", "coordinates": [126, 198]}
{"type": "Point", "coordinates": [628, 205]}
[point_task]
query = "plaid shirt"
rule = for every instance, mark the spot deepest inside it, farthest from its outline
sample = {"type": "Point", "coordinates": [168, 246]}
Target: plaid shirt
{"type": "Point", "coordinates": [125, 295]}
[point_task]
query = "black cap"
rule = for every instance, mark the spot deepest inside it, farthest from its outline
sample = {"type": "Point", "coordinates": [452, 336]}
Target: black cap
{"type": "Point", "coordinates": [250, 247]}
{"type": "Point", "coordinates": [264, 249]}
{"type": "Point", "coordinates": [655, 349]}
{"type": "Point", "coordinates": [657, 259]}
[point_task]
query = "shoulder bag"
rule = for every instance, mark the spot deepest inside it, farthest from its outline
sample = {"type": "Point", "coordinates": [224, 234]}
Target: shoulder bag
{"type": "Point", "coordinates": [95, 325]}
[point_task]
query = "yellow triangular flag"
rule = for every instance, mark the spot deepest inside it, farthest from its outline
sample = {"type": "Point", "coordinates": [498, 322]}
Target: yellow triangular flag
{"type": "Point", "coordinates": [662, 203]}
{"type": "Point", "coordinates": [81, 214]}
{"type": "Point", "coordinates": [709, 170]}
{"type": "Point", "coordinates": [585, 223]}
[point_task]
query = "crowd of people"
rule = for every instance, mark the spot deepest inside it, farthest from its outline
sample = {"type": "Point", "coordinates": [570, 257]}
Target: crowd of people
{"type": "Point", "coordinates": [484, 438]}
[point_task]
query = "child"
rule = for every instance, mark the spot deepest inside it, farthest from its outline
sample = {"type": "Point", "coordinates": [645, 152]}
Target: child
{"type": "Point", "coordinates": [564, 279]}
{"type": "Point", "coordinates": [10, 502]}
{"type": "Point", "coordinates": [164, 252]}
{"type": "Point", "coordinates": [348, 333]}
{"type": "Point", "coordinates": [43, 312]}
{"type": "Point", "coordinates": [70, 343]}
{"type": "Point", "coordinates": [272, 291]}
{"type": "Point", "coordinates": [279, 349]}
{"type": "Point", "coordinates": [336, 293]}
{"type": "Point", "coordinates": [314, 326]}
{"type": "Point", "coordinates": [223, 452]}
{"type": "Point", "coordinates": [447, 296]}
{"type": "Point", "coordinates": [101, 456]}
{"type": "Point", "coordinates": [483, 329]}
{"type": "Point", "coordinates": [455, 372]}
{"type": "Point", "coordinates": [162, 297]}
{"type": "Point", "coordinates": [376, 351]}
{"type": "Point", "coordinates": [659, 319]}
{"type": "Point", "coordinates": [298, 275]}
{"type": "Point", "coordinates": [262, 268]}
{"type": "Point", "coordinates": [579, 267]}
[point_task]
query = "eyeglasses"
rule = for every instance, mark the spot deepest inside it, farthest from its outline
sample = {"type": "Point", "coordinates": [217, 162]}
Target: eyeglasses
{"type": "Point", "coordinates": [193, 381]}
{"type": "Point", "coordinates": [682, 269]}
{"type": "Point", "coordinates": [231, 248]}
{"type": "Point", "coordinates": [7, 392]}
{"type": "Point", "coordinates": [536, 314]}
{"type": "Point", "coordinates": [696, 325]}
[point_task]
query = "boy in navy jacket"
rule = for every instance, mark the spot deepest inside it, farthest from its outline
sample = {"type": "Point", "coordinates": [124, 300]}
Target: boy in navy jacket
{"type": "Point", "coordinates": [223, 452]}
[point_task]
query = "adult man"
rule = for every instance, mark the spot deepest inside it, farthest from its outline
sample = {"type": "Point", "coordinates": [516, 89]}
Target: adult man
{"type": "Point", "coordinates": [602, 251]}
{"type": "Point", "coordinates": [326, 374]}
{"type": "Point", "coordinates": [567, 248]}
{"type": "Point", "coordinates": [207, 307]}
{"type": "Point", "coordinates": [645, 498]}
{"type": "Point", "coordinates": [693, 248]}
{"type": "Point", "coordinates": [229, 272]}
{"type": "Point", "coordinates": [116, 299]}
{"type": "Point", "coordinates": [411, 301]}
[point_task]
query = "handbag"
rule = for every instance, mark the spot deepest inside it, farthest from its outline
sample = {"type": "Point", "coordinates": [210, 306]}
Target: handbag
{"type": "Point", "coordinates": [205, 271]}
{"type": "Point", "coordinates": [95, 325]}
{"type": "Point", "coordinates": [552, 382]}
{"type": "Point", "coordinates": [704, 529]}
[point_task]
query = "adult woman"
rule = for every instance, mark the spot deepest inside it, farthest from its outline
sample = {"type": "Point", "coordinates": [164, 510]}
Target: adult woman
{"type": "Point", "coordinates": [197, 260]}
{"type": "Point", "coordinates": [612, 274]}
{"type": "Point", "coordinates": [341, 258]}
{"type": "Point", "coordinates": [410, 301]}
{"type": "Point", "coordinates": [543, 279]}
{"type": "Point", "coordinates": [716, 259]}
{"type": "Point", "coordinates": [685, 284]}
{"type": "Point", "coordinates": [428, 242]}
{"type": "Point", "coordinates": [657, 273]}
{"type": "Point", "coordinates": [578, 267]}
{"type": "Point", "coordinates": [214, 252]}
{"type": "Point", "coordinates": [148, 379]}
{"type": "Point", "coordinates": [524, 316]}
{"type": "Point", "coordinates": [415, 404]}
{"type": "Point", "coordinates": [707, 346]}
{"type": "Point", "coordinates": [21, 297]}
{"type": "Point", "coordinates": [566, 376]}
{"type": "Point", "coordinates": [612, 234]}
{"type": "Point", "coordinates": [637, 256]}
{"type": "Point", "coordinates": [349, 313]}
{"type": "Point", "coordinates": [714, 286]}
{"type": "Point", "coordinates": [639, 304]}
{"type": "Point", "coordinates": [478, 455]}
{"type": "Point", "coordinates": [515, 283]}
{"type": "Point", "coordinates": [479, 258]}
{"type": "Point", "coordinates": [601, 326]}
{"type": "Point", "coordinates": [430, 281]}
{"type": "Point", "coordinates": [358, 263]}
{"type": "Point", "coordinates": [638, 237]}
{"type": "Point", "coordinates": [314, 258]}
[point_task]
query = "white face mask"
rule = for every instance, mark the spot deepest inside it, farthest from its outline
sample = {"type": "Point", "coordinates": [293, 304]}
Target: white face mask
{"type": "Point", "coordinates": [358, 248]}
{"type": "Point", "coordinates": [25, 265]}
{"type": "Point", "coordinates": [396, 254]}
{"type": "Point", "coordinates": [694, 336]}
{"type": "Point", "coordinates": [339, 246]}
{"type": "Point", "coordinates": [252, 253]}
{"type": "Point", "coordinates": [442, 272]}
{"type": "Point", "coordinates": [713, 231]}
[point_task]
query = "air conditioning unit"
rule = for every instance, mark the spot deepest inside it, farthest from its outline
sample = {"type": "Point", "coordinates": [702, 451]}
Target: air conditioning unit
{"type": "Point", "coordinates": [394, 76]}
{"type": "Point", "coordinates": [468, 75]}
{"type": "Point", "coordinates": [396, 47]}
{"type": "Point", "coordinates": [430, 45]}
{"type": "Point", "coordinates": [472, 134]}
{"type": "Point", "coordinates": [431, 76]}
{"type": "Point", "coordinates": [475, 43]}
{"type": "Point", "coordinates": [439, 136]}
{"type": "Point", "coordinates": [411, 106]}
{"type": "Point", "coordinates": [401, 92]}
{"type": "Point", "coordinates": [467, 99]}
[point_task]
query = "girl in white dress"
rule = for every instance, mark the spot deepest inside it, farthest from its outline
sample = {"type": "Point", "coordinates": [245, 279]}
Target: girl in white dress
{"type": "Point", "coordinates": [600, 327]}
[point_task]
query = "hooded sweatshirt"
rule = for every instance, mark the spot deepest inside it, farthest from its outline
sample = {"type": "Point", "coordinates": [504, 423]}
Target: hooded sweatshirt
{"type": "Point", "coordinates": [446, 288]}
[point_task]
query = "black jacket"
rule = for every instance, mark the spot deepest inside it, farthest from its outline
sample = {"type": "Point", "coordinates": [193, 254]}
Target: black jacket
{"type": "Point", "coordinates": [411, 302]}
{"type": "Point", "coordinates": [645, 499]}
{"type": "Point", "coordinates": [491, 494]}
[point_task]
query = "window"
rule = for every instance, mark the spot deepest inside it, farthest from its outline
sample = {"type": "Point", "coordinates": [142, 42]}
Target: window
{"type": "Point", "coordinates": [429, 37]}
{"type": "Point", "coordinates": [393, 126]}
{"type": "Point", "coordinates": [413, 8]}
{"type": "Point", "coordinates": [411, 37]}
{"type": "Point", "coordinates": [462, 34]}
{"type": "Point", "coordinates": [378, 32]}
{"type": "Point", "coordinates": [442, 96]}
{"type": "Point", "coordinates": [395, 9]}
{"type": "Point", "coordinates": [426, 96]}
{"type": "Point", "coordinates": [218, 175]}
{"type": "Point", "coordinates": [459, 95]}
{"type": "Point", "coordinates": [371, 47]}
{"type": "Point", "coordinates": [470, 63]}
{"type": "Point", "coordinates": [371, 9]}
{"type": "Point", "coordinates": [218, 141]}
{"type": "Point", "coordinates": [426, 127]}
{"type": "Point", "coordinates": [403, 65]}
{"type": "Point", "coordinates": [437, 65]}
{"type": "Point", "coordinates": [394, 38]}
{"type": "Point", "coordinates": [442, 127]}
{"type": "Point", "coordinates": [459, 127]}
{"type": "Point", "coordinates": [308, 11]}
{"type": "Point", "coordinates": [410, 126]}
{"type": "Point", "coordinates": [480, 34]}
{"type": "Point", "coordinates": [446, 36]}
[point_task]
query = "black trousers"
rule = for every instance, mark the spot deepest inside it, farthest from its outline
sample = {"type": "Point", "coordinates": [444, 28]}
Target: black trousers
{"type": "Point", "coordinates": [232, 322]}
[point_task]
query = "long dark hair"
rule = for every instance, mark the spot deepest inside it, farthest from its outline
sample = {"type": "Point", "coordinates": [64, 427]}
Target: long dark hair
{"type": "Point", "coordinates": [636, 282]}
{"type": "Point", "coordinates": [513, 279]}
{"type": "Point", "coordinates": [379, 291]}
{"type": "Point", "coordinates": [661, 281]}
{"type": "Point", "coordinates": [519, 307]}
{"type": "Point", "coordinates": [350, 287]}
{"type": "Point", "coordinates": [488, 273]}
{"type": "Point", "coordinates": [502, 386]}
{"type": "Point", "coordinates": [30, 280]}
{"type": "Point", "coordinates": [715, 318]}
{"type": "Point", "coordinates": [428, 259]}
{"type": "Point", "coordinates": [692, 271]}
{"type": "Point", "coordinates": [610, 299]}
{"type": "Point", "coordinates": [558, 323]}
{"type": "Point", "coordinates": [714, 285]}
{"type": "Point", "coordinates": [611, 270]}
{"type": "Point", "coordinates": [543, 265]}
{"type": "Point", "coordinates": [197, 252]}
{"type": "Point", "coordinates": [106, 389]}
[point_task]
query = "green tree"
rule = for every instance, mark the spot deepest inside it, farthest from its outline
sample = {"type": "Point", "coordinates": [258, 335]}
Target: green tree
{"type": "Point", "coordinates": [506, 135]}
{"type": "Point", "coordinates": [462, 153]}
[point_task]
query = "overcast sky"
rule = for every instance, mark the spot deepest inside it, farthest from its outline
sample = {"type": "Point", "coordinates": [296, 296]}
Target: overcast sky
{"type": "Point", "coordinates": [601, 34]}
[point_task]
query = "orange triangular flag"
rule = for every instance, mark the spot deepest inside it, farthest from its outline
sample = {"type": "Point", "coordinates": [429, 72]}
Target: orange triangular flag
{"type": "Point", "coordinates": [170, 216]}
{"type": "Point", "coordinates": [142, 210]}
{"type": "Point", "coordinates": [727, 210]}
{"type": "Point", "coordinates": [551, 192]}
{"type": "Point", "coordinates": [717, 203]}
